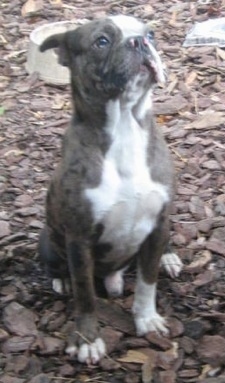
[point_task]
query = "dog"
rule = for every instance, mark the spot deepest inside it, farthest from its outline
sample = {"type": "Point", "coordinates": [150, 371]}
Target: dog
{"type": "Point", "coordinates": [109, 199]}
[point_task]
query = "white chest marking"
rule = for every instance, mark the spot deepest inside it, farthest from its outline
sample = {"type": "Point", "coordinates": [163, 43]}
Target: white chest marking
{"type": "Point", "coordinates": [127, 201]}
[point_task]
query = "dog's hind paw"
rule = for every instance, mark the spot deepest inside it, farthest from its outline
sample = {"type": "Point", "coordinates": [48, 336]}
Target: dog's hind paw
{"type": "Point", "coordinates": [114, 283]}
{"type": "Point", "coordinates": [60, 286]}
{"type": "Point", "coordinates": [172, 264]}
{"type": "Point", "coordinates": [89, 353]}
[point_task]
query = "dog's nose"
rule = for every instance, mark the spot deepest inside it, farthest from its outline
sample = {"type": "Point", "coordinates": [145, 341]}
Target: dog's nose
{"type": "Point", "coordinates": [138, 43]}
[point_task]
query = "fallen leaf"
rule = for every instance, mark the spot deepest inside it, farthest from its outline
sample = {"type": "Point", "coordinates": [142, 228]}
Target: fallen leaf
{"type": "Point", "coordinates": [40, 378]}
{"type": "Point", "coordinates": [173, 19]}
{"type": "Point", "coordinates": [163, 119]}
{"type": "Point", "coordinates": [210, 119]}
{"type": "Point", "coordinates": [168, 376]}
{"type": "Point", "coordinates": [2, 39]}
{"type": "Point", "coordinates": [173, 352]}
{"type": "Point", "coordinates": [162, 342]}
{"type": "Point", "coordinates": [23, 200]}
{"type": "Point", "coordinates": [167, 359]}
{"type": "Point", "coordinates": [15, 152]}
{"type": "Point", "coordinates": [67, 370]}
{"type": "Point", "coordinates": [215, 315]}
{"type": "Point", "coordinates": [148, 10]}
{"type": "Point", "coordinates": [4, 229]}
{"type": "Point", "coordinates": [211, 164]}
{"type": "Point", "coordinates": [83, 377]}
{"type": "Point", "coordinates": [19, 320]}
{"type": "Point", "coordinates": [147, 371]}
{"type": "Point", "coordinates": [111, 337]}
{"type": "Point", "coordinates": [133, 356]}
{"type": "Point", "coordinates": [216, 246]}
{"type": "Point", "coordinates": [188, 373]}
{"type": "Point", "coordinates": [3, 335]}
{"type": "Point", "coordinates": [205, 370]}
{"type": "Point", "coordinates": [16, 344]}
{"type": "Point", "coordinates": [190, 78]}
{"type": "Point", "coordinates": [58, 102]}
{"type": "Point", "coordinates": [109, 313]}
{"type": "Point", "coordinates": [211, 349]}
{"type": "Point", "coordinates": [200, 262]}
{"type": "Point", "coordinates": [108, 364]}
{"type": "Point", "coordinates": [2, 110]}
{"type": "Point", "coordinates": [220, 53]}
{"type": "Point", "coordinates": [51, 345]}
{"type": "Point", "coordinates": [31, 7]}
{"type": "Point", "coordinates": [204, 278]}
{"type": "Point", "coordinates": [176, 327]}
{"type": "Point", "coordinates": [172, 105]}
{"type": "Point", "coordinates": [57, 3]}
{"type": "Point", "coordinates": [172, 85]}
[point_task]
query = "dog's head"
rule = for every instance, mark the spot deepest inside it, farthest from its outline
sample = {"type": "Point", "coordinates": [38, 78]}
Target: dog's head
{"type": "Point", "coordinates": [104, 56]}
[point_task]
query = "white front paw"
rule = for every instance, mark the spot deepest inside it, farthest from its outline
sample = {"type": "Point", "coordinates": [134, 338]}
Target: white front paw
{"type": "Point", "coordinates": [154, 322]}
{"type": "Point", "coordinates": [172, 264]}
{"type": "Point", "coordinates": [89, 353]}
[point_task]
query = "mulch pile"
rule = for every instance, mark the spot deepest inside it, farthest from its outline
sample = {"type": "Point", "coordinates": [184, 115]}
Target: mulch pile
{"type": "Point", "coordinates": [33, 116]}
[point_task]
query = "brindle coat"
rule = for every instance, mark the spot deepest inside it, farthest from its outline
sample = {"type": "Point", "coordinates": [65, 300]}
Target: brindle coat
{"type": "Point", "coordinates": [70, 241]}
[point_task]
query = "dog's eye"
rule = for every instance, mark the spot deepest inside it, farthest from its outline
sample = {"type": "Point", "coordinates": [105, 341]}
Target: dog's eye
{"type": "Point", "coordinates": [151, 36]}
{"type": "Point", "coordinates": [102, 42]}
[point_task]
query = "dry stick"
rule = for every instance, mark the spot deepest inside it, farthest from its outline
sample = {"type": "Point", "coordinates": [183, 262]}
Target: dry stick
{"type": "Point", "coordinates": [179, 156]}
{"type": "Point", "coordinates": [210, 68]}
{"type": "Point", "coordinates": [13, 238]}
{"type": "Point", "coordinates": [67, 379]}
{"type": "Point", "coordinates": [74, 380]}
{"type": "Point", "coordinates": [196, 104]}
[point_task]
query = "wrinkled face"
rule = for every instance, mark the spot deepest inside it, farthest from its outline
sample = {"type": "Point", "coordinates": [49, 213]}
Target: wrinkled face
{"type": "Point", "coordinates": [106, 55]}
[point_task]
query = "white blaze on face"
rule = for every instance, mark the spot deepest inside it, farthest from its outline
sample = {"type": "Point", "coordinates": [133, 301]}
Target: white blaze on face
{"type": "Point", "coordinates": [131, 27]}
{"type": "Point", "coordinates": [128, 25]}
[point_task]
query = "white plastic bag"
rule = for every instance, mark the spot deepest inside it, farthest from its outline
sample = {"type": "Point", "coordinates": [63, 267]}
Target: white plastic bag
{"type": "Point", "coordinates": [210, 32]}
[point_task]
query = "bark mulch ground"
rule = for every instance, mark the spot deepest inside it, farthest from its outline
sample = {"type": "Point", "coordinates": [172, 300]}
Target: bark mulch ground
{"type": "Point", "coordinates": [33, 117]}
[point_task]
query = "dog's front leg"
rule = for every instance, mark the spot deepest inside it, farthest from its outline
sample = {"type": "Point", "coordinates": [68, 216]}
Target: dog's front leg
{"type": "Point", "coordinates": [85, 342]}
{"type": "Point", "coordinates": [144, 307]}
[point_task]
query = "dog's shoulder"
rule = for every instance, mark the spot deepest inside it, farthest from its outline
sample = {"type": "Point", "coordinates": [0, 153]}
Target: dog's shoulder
{"type": "Point", "coordinates": [82, 155]}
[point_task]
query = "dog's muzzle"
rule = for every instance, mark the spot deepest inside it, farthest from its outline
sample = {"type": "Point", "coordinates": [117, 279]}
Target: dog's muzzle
{"type": "Point", "coordinates": [150, 58]}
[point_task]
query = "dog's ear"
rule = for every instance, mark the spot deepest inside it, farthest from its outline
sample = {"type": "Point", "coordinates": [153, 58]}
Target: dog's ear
{"type": "Point", "coordinates": [59, 42]}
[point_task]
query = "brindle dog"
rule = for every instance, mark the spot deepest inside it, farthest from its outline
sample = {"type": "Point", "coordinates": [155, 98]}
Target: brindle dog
{"type": "Point", "coordinates": [109, 198]}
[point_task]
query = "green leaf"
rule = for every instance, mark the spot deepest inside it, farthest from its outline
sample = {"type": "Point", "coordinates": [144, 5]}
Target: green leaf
{"type": "Point", "coordinates": [2, 110]}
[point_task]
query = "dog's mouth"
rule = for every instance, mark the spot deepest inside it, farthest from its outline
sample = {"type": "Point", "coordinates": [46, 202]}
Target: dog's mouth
{"type": "Point", "coordinates": [149, 65]}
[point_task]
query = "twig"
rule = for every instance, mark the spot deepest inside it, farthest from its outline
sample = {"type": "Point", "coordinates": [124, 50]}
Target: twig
{"type": "Point", "coordinates": [210, 68]}
{"type": "Point", "coordinates": [13, 238]}
{"type": "Point", "coordinates": [179, 156]}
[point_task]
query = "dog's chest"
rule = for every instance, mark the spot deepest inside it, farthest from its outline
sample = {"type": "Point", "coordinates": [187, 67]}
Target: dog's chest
{"type": "Point", "coordinates": [127, 201]}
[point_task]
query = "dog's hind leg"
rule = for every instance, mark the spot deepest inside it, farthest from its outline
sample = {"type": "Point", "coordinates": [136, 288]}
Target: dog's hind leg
{"type": "Point", "coordinates": [114, 283]}
{"type": "Point", "coordinates": [55, 265]}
